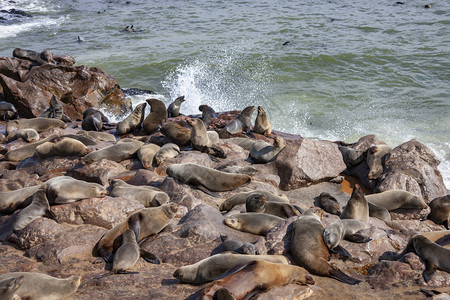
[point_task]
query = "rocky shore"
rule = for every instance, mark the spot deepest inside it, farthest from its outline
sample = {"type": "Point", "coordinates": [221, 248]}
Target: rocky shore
{"type": "Point", "coordinates": [302, 171]}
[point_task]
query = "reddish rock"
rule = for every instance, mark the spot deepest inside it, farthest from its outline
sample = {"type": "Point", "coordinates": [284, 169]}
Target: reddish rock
{"type": "Point", "coordinates": [46, 166]}
{"type": "Point", "coordinates": [145, 177]}
{"type": "Point", "coordinates": [277, 241]}
{"type": "Point", "coordinates": [101, 172]}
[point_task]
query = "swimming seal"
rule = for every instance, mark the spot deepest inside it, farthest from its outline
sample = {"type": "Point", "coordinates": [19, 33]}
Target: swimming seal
{"type": "Point", "coordinates": [395, 199]}
{"type": "Point", "coordinates": [434, 256]}
{"type": "Point", "coordinates": [242, 123]}
{"type": "Point", "coordinates": [263, 152]}
{"type": "Point", "coordinates": [38, 124]}
{"type": "Point", "coordinates": [255, 277]}
{"type": "Point", "coordinates": [241, 198]}
{"type": "Point", "coordinates": [357, 207]}
{"type": "Point", "coordinates": [169, 150]}
{"type": "Point", "coordinates": [174, 108]}
{"type": "Point", "coordinates": [147, 195]}
{"type": "Point", "coordinates": [61, 147]}
{"type": "Point", "coordinates": [210, 268]}
{"type": "Point", "coordinates": [147, 153]}
{"type": "Point", "coordinates": [122, 150]}
{"type": "Point", "coordinates": [345, 229]}
{"type": "Point", "coordinates": [262, 124]}
{"type": "Point", "coordinates": [10, 201]}
{"type": "Point", "coordinates": [133, 121]}
{"type": "Point", "coordinates": [309, 250]}
{"type": "Point", "coordinates": [38, 286]}
{"type": "Point", "coordinates": [144, 223]}
{"type": "Point", "coordinates": [29, 135]}
{"type": "Point", "coordinates": [206, 178]}
{"type": "Point", "coordinates": [375, 155]}
{"type": "Point", "coordinates": [440, 211]}
{"type": "Point", "coordinates": [176, 133]}
{"type": "Point", "coordinates": [329, 204]}
{"type": "Point", "coordinates": [256, 223]}
{"type": "Point", "coordinates": [9, 286]}
{"type": "Point", "coordinates": [259, 203]}
{"type": "Point", "coordinates": [65, 189]}
{"type": "Point", "coordinates": [156, 117]}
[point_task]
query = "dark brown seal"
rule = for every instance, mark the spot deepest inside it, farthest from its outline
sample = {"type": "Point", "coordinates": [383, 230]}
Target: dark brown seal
{"type": "Point", "coordinates": [329, 204]}
{"type": "Point", "coordinates": [262, 123]}
{"type": "Point", "coordinates": [259, 203]}
{"type": "Point", "coordinates": [440, 211]}
{"type": "Point", "coordinates": [174, 108]}
{"type": "Point", "coordinates": [177, 133]}
{"type": "Point", "coordinates": [242, 123]}
{"type": "Point", "coordinates": [133, 121]}
{"type": "Point", "coordinates": [357, 207]}
{"type": "Point", "coordinates": [157, 116]}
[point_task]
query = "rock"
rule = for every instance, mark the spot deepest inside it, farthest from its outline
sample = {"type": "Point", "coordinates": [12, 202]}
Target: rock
{"type": "Point", "coordinates": [145, 177]}
{"type": "Point", "coordinates": [277, 242]}
{"type": "Point", "coordinates": [409, 214]}
{"type": "Point", "coordinates": [290, 291]}
{"type": "Point", "coordinates": [101, 172]}
{"type": "Point", "coordinates": [202, 223]}
{"type": "Point", "coordinates": [37, 232]}
{"type": "Point", "coordinates": [388, 273]}
{"type": "Point", "coordinates": [48, 166]}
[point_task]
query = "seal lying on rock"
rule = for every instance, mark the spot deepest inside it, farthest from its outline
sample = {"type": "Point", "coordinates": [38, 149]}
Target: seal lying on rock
{"type": "Point", "coordinates": [395, 199]}
{"type": "Point", "coordinates": [345, 229]}
{"type": "Point", "coordinates": [176, 133]}
{"type": "Point", "coordinates": [61, 147]}
{"type": "Point", "coordinates": [133, 121]}
{"type": "Point", "coordinates": [174, 108]}
{"type": "Point", "coordinates": [122, 150]}
{"type": "Point", "coordinates": [241, 198]}
{"type": "Point", "coordinates": [147, 195]}
{"type": "Point", "coordinates": [146, 154]}
{"type": "Point", "coordinates": [259, 203]}
{"type": "Point", "coordinates": [256, 223]}
{"type": "Point", "coordinates": [10, 201]}
{"type": "Point", "coordinates": [263, 152]}
{"type": "Point", "coordinates": [249, 170]}
{"type": "Point", "coordinates": [169, 150]}
{"type": "Point", "coordinates": [329, 204]}
{"type": "Point", "coordinates": [235, 246]}
{"type": "Point", "coordinates": [8, 287]}
{"type": "Point", "coordinates": [29, 135]}
{"type": "Point", "coordinates": [255, 277]}
{"type": "Point", "coordinates": [7, 111]}
{"type": "Point", "coordinates": [242, 123]}
{"type": "Point", "coordinates": [210, 268]}
{"type": "Point", "coordinates": [102, 136]}
{"type": "Point", "coordinates": [351, 156]}
{"type": "Point", "coordinates": [38, 124]}
{"type": "Point", "coordinates": [206, 178]}
{"type": "Point", "coordinates": [26, 150]}
{"type": "Point", "coordinates": [65, 189]}
{"type": "Point", "coordinates": [440, 211]}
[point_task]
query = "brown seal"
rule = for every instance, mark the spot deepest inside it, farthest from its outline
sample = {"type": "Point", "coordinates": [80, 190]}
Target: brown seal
{"type": "Point", "coordinates": [357, 207]}
{"type": "Point", "coordinates": [235, 246]}
{"type": "Point", "coordinates": [203, 177]}
{"type": "Point", "coordinates": [92, 110]}
{"type": "Point", "coordinates": [147, 195]}
{"type": "Point", "coordinates": [262, 124]}
{"type": "Point", "coordinates": [9, 286]}
{"type": "Point", "coordinates": [256, 223]}
{"type": "Point", "coordinates": [176, 133]}
{"type": "Point", "coordinates": [375, 156]}
{"type": "Point", "coordinates": [55, 111]}
{"type": "Point", "coordinates": [329, 204]}
{"type": "Point", "coordinates": [309, 250]}
{"type": "Point", "coordinates": [259, 203]}
{"type": "Point", "coordinates": [395, 199]}
{"type": "Point", "coordinates": [29, 135]}
{"type": "Point", "coordinates": [38, 124]}
{"type": "Point", "coordinates": [208, 114]}
{"type": "Point", "coordinates": [7, 111]}
{"type": "Point", "coordinates": [157, 116]}
{"type": "Point", "coordinates": [351, 156]}
{"type": "Point", "coordinates": [144, 223]}
{"type": "Point", "coordinates": [210, 268]}
{"type": "Point", "coordinates": [241, 198]}
{"type": "Point", "coordinates": [101, 136]}
{"type": "Point", "coordinates": [345, 229]}
{"type": "Point", "coordinates": [167, 151]}
{"type": "Point", "coordinates": [200, 138]}
{"type": "Point", "coordinates": [255, 277]}
{"type": "Point", "coordinates": [434, 256]}
{"type": "Point", "coordinates": [26, 150]}
{"type": "Point", "coordinates": [378, 212]}
{"type": "Point", "coordinates": [263, 152]}
{"type": "Point", "coordinates": [147, 153]}
{"type": "Point", "coordinates": [440, 211]}
{"type": "Point", "coordinates": [123, 149]}
{"type": "Point", "coordinates": [10, 201]}
{"type": "Point", "coordinates": [242, 123]}
{"type": "Point", "coordinates": [133, 121]}
{"type": "Point", "coordinates": [65, 189]}
{"type": "Point", "coordinates": [174, 108]}
{"type": "Point", "coordinates": [92, 122]}
{"type": "Point", "coordinates": [61, 147]}
{"type": "Point", "coordinates": [39, 286]}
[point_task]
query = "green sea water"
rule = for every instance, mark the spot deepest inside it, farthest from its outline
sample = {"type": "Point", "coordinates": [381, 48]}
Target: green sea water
{"type": "Point", "coordinates": [351, 68]}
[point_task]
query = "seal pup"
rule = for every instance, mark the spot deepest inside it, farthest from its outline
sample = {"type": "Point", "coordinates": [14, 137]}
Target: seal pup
{"type": "Point", "coordinates": [254, 277]}
{"type": "Point", "coordinates": [256, 223]}
{"type": "Point", "coordinates": [434, 256]}
{"type": "Point", "coordinates": [395, 199]}
{"type": "Point", "coordinates": [206, 179]}
{"type": "Point", "coordinates": [440, 211]}
{"type": "Point", "coordinates": [262, 123]}
{"type": "Point", "coordinates": [8, 111]}
{"type": "Point", "coordinates": [147, 195]}
{"type": "Point", "coordinates": [92, 122]}
{"type": "Point", "coordinates": [9, 286]}
{"type": "Point", "coordinates": [241, 198]}
{"type": "Point", "coordinates": [329, 204]}
{"type": "Point", "coordinates": [55, 111]}
{"type": "Point", "coordinates": [345, 229]}
{"type": "Point", "coordinates": [357, 207]}
{"type": "Point", "coordinates": [210, 268]}
{"type": "Point", "coordinates": [167, 151]}
{"type": "Point", "coordinates": [133, 121]}
{"type": "Point", "coordinates": [26, 150]}
{"type": "Point", "coordinates": [156, 117]}
{"type": "Point", "coordinates": [61, 147]}
{"type": "Point", "coordinates": [65, 189]}
{"type": "Point", "coordinates": [263, 152]}
{"type": "Point", "coordinates": [242, 123]}
{"type": "Point", "coordinates": [146, 154]}
{"type": "Point", "coordinates": [29, 135]}
{"type": "Point", "coordinates": [309, 250]}
{"type": "Point", "coordinates": [235, 246]}
{"type": "Point", "coordinates": [176, 133]}
{"type": "Point", "coordinates": [39, 286]}
{"type": "Point", "coordinates": [144, 223]}
{"type": "Point", "coordinates": [122, 150]}
{"type": "Point", "coordinates": [208, 114]}
{"type": "Point", "coordinates": [375, 155]}
{"type": "Point", "coordinates": [174, 108]}
{"type": "Point", "coordinates": [38, 124]}
{"type": "Point", "coordinates": [39, 207]}
{"type": "Point", "coordinates": [10, 201]}
{"type": "Point", "coordinates": [258, 203]}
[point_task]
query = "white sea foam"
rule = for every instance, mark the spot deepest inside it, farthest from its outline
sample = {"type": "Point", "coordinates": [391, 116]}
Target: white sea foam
{"type": "Point", "coordinates": [30, 6]}
{"type": "Point", "coordinates": [13, 30]}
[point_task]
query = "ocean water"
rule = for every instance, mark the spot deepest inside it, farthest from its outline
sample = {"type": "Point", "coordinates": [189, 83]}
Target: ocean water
{"type": "Point", "coordinates": [351, 68]}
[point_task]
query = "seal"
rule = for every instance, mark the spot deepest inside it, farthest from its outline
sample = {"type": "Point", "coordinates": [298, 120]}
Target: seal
{"type": "Point", "coordinates": [235, 246]}
{"type": "Point", "coordinates": [210, 268]}
{"type": "Point", "coordinates": [39, 207]}
{"type": "Point", "coordinates": [91, 110]}
{"type": "Point", "coordinates": [249, 170]}
{"type": "Point", "coordinates": [101, 136]}
{"type": "Point", "coordinates": [309, 250]}
{"type": "Point", "coordinates": [41, 58]}
{"type": "Point", "coordinates": [263, 152]}
{"type": "Point", "coordinates": [351, 156]}
{"type": "Point", "coordinates": [167, 151]}
{"type": "Point", "coordinates": [241, 198]}
{"type": "Point", "coordinates": [144, 223]}
{"type": "Point", "coordinates": [133, 121]}
{"type": "Point", "coordinates": [122, 150]}
{"type": "Point", "coordinates": [157, 116]}
{"type": "Point", "coordinates": [256, 223]}
{"type": "Point", "coordinates": [258, 203]}
{"type": "Point", "coordinates": [255, 277]}
{"type": "Point", "coordinates": [9, 286]}
{"type": "Point", "coordinates": [434, 256]}
{"type": "Point", "coordinates": [55, 111]}
{"type": "Point", "coordinates": [147, 195]}
{"type": "Point", "coordinates": [65, 189]}
{"type": "Point", "coordinates": [200, 138]}
{"type": "Point", "coordinates": [38, 124]}
{"type": "Point", "coordinates": [395, 199]}
{"type": "Point", "coordinates": [29, 135]}
{"type": "Point", "coordinates": [10, 201]}
{"type": "Point", "coordinates": [92, 122]}
{"type": "Point", "coordinates": [262, 124]}
{"type": "Point", "coordinates": [345, 229]}
{"type": "Point", "coordinates": [174, 108]}
{"type": "Point", "coordinates": [357, 207]}
{"type": "Point", "coordinates": [176, 133]}
{"type": "Point", "coordinates": [375, 156]}
{"type": "Point", "coordinates": [26, 150]}
{"type": "Point", "coordinates": [146, 154]}
{"type": "Point", "coordinates": [329, 204]}
{"type": "Point", "coordinates": [61, 147]}
{"type": "Point", "coordinates": [245, 143]}
{"type": "Point", "coordinates": [242, 123]}
{"type": "Point", "coordinates": [378, 212]}
{"type": "Point", "coordinates": [208, 114]}
{"type": "Point", "coordinates": [8, 111]}
{"type": "Point", "coordinates": [38, 286]}
{"type": "Point", "coordinates": [440, 211]}
{"type": "Point", "coordinates": [206, 178]}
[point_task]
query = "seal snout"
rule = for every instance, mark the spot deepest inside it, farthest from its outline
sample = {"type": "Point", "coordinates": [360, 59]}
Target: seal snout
{"type": "Point", "coordinates": [177, 275]}
{"type": "Point", "coordinates": [309, 279]}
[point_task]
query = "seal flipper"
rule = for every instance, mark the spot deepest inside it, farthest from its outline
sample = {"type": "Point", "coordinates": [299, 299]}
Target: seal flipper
{"type": "Point", "coordinates": [358, 238]}
{"type": "Point", "coordinates": [134, 224]}
{"type": "Point", "coordinates": [105, 256]}
{"type": "Point", "coordinates": [204, 190]}
{"type": "Point", "coordinates": [299, 209]}
{"type": "Point", "coordinates": [443, 241]}
{"type": "Point", "coordinates": [341, 251]}
{"type": "Point", "coordinates": [223, 294]}
{"type": "Point", "coordinates": [430, 269]}
{"type": "Point", "coordinates": [49, 214]}
{"type": "Point", "coordinates": [150, 257]}
{"type": "Point", "coordinates": [341, 276]}
{"type": "Point", "coordinates": [235, 269]}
